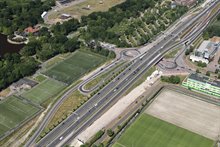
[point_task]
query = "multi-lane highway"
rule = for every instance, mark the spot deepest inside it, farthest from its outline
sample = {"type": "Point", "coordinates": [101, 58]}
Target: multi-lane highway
{"type": "Point", "coordinates": [94, 107]}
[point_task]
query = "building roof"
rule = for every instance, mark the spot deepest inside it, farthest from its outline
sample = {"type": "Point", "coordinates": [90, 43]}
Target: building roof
{"type": "Point", "coordinates": [203, 47]}
{"type": "Point", "coordinates": [204, 79]}
{"type": "Point", "coordinates": [43, 14]}
{"type": "Point", "coordinates": [25, 81]}
{"type": "Point", "coordinates": [207, 49]}
{"type": "Point", "coordinates": [31, 30]}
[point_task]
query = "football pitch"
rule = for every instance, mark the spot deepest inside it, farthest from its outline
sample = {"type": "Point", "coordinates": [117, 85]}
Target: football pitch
{"type": "Point", "coordinates": [14, 111]}
{"type": "Point", "coordinates": [44, 90]}
{"type": "Point", "coordinates": [148, 131]}
{"type": "Point", "coordinates": [75, 66]}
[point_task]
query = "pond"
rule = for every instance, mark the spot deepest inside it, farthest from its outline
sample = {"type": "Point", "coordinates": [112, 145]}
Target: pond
{"type": "Point", "coordinates": [6, 47]}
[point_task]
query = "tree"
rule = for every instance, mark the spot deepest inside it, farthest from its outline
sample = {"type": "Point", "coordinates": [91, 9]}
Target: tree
{"type": "Point", "coordinates": [172, 79]}
{"type": "Point", "coordinates": [208, 73]}
{"type": "Point", "coordinates": [201, 64]}
{"type": "Point", "coordinates": [71, 45]}
{"type": "Point", "coordinates": [110, 133]}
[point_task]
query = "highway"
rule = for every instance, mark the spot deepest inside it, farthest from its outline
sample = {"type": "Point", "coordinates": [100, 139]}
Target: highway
{"type": "Point", "coordinates": [88, 113]}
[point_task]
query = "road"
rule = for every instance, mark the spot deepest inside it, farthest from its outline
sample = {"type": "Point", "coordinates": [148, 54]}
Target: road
{"type": "Point", "coordinates": [86, 114]}
{"type": "Point", "coordinates": [77, 121]}
{"type": "Point", "coordinates": [52, 111]}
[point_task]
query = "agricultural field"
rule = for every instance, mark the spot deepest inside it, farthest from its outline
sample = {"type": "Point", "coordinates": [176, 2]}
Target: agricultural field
{"type": "Point", "coordinates": [43, 91]}
{"type": "Point", "coordinates": [14, 111]}
{"type": "Point", "coordinates": [149, 131]}
{"type": "Point", "coordinates": [75, 66]}
{"type": "Point", "coordinates": [81, 9]}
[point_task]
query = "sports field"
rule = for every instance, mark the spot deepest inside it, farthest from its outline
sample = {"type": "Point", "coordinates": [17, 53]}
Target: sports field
{"type": "Point", "coordinates": [75, 66]}
{"type": "Point", "coordinates": [13, 111]}
{"type": "Point", "coordinates": [44, 90]}
{"type": "Point", "coordinates": [187, 111]}
{"type": "Point", "coordinates": [148, 131]}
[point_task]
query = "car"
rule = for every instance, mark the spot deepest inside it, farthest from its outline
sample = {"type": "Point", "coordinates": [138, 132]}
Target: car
{"type": "Point", "coordinates": [116, 89]}
{"type": "Point", "coordinates": [61, 137]}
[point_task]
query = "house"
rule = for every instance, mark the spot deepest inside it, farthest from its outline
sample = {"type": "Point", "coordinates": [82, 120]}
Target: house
{"type": "Point", "coordinates": [32, 30]}
{"type": "Point", "coordinates": [24, 83]}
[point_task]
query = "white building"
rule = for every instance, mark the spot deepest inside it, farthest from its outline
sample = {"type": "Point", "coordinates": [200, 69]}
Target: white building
{"type": "Point", "coordinates": [197, 59]}
{"type": "Point", "coordinates": [205, 52]}
{"type": "Point", "coordinates": [43, 14]}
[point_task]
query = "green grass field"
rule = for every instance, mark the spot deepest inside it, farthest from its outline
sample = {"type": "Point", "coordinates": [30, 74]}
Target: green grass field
{"type": "Point", "coordinates": [44, 90]}
{"type": "Point", "coordinates": [74, 67]}
{"type": "Point", "coordinates": [148, 131]}
{"type": "Point", "coordinates": [13, 111]}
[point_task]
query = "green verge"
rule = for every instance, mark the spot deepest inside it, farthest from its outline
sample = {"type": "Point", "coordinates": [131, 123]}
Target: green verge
{"type": "Point", "coordinates": [101, 77]}
{"type": "Point", "coordinates": [148, 131]}
{"type": "Point", "coordinates": [171, 54]}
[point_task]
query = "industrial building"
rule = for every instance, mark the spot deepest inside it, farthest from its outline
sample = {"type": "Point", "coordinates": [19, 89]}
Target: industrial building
{"type": "Point", "coordinates": [205, 52]}
{"type": "Point", "coordinates": [203, 84]}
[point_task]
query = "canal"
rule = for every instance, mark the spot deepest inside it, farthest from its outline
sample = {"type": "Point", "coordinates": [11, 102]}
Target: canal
{"type": "Point", "coordinates": [6, 47]}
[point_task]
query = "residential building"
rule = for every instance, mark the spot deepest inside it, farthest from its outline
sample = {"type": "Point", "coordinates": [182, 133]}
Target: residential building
{"type": "Point", "coordinates": [32, 30]}
{"type": "Point", "coordinates": [203, 84]}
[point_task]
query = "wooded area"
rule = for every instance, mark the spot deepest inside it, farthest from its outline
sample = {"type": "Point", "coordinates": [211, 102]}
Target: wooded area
{"type": "Point", "coordinates": [19, 14]}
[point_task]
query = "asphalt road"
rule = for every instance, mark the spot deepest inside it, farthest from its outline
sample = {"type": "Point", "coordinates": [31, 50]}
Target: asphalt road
{"type": "Point", "coordinates": [88, 113]}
